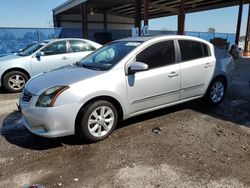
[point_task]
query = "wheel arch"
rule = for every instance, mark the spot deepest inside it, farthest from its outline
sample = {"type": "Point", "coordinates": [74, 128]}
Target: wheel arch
{"type": "Point", "coordinates": [223, 77]}
{"type": "Point", "coordinates": [110, 99]}
{"type": "Point", "coordinates": [14, 69]}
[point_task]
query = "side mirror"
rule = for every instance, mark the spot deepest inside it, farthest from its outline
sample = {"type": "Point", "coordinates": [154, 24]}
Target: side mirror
{"type": "Point", "coordinates": [20, 50]}
{"type": "Point", "coordinates": [137, 67]}
{"type": "Point", "coordinates": [39, 54]}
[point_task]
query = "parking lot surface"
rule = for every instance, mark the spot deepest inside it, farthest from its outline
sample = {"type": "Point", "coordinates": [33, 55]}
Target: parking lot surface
{"type": "Point", "coordinates": [189, 145]}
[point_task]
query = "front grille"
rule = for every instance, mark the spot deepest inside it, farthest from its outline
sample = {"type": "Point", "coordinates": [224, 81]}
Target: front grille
{"type": "Point", "coordinates": [26, 96]}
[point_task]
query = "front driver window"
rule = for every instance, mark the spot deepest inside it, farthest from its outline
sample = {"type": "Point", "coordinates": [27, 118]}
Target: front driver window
{"type": "Point", "coordinates": [158, 55]}
{"type": "Point", "coordinates": [55, 48]}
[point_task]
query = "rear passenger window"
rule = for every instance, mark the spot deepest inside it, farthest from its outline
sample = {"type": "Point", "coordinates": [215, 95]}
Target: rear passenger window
{"type": "Point", "coordinates": [206, 50]}
{"type": "Point", "coordinates": [157, 55]}
{"type": "Point", "coordinates": [191, 50]}
{"type": "Point", "coordinates": [80, 46]}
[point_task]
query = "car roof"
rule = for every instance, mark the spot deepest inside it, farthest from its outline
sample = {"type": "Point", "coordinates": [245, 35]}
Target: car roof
{"type": "Point", "coordinates": [147, 38]}
{"type": "Point", "coordinates": [61, 39]}
{"type": "Point", "coordinates": [139, 39]}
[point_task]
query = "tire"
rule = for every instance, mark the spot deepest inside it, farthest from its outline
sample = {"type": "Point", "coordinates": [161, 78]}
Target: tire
{"type": "Point", "coordinates": [93, 127]}
{"type": "Point", "coordinates": [216, 91]}
{"type": "Point", "coordinates": [14, 81]}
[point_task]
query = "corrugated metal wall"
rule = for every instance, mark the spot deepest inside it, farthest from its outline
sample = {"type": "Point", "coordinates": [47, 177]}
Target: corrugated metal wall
{"type": "Point", "coordinates": [96, 21]}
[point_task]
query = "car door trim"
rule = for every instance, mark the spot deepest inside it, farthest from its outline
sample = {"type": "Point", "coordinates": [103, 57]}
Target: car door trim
{"type": "Point", "coordinates": [155, 96]}
{"type": "Point", "coordinates": [193, 86]}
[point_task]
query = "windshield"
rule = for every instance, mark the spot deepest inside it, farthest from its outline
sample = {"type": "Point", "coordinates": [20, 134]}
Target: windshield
{"type": "Point", "coordinates": [108, 56]}
{"type": "Point", "coordinates": [30, 50]}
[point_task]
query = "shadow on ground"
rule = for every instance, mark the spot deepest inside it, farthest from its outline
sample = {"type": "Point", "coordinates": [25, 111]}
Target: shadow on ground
{"type": "Point", "coordinates": [14, 132]}
{"type": "Point", "coordinates": [4, 95]}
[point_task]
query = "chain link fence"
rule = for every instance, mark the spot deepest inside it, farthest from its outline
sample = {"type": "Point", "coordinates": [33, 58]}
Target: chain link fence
{"type": "Point", "coordinates": [13, 39]}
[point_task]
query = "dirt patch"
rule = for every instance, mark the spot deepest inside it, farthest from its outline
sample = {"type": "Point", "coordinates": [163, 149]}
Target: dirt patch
{"type": "Point", "coordinates": [165, 176]}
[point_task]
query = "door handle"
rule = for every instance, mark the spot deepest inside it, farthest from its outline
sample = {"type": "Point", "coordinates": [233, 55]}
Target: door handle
{"type": "Point", "coordinates": [65, 58]}
{"type": "Point", "coordinates": [173, 74]}
{"type": "Point", "coordinates": [207, 65]}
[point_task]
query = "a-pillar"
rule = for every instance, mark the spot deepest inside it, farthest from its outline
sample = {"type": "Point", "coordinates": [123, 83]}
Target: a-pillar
{"type": "Point", "coordinates": [181, 18]}
{"type": "Point", "coordinates": [239, 23]}
{"type": "Point", "coordinates": [137, 18]}
{"type": "Point", "coordinates": [84, 16]}
{"type": "Point", "coordinates": [246, 47]}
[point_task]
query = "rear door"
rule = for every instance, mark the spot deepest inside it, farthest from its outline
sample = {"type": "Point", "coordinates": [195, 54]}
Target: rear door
{"type": "Point", "coordinates": [79, 49]}
{"type": "Point", "coordinates": [55, 55]}
{"type": "Point", "coordinates": [196, 67]}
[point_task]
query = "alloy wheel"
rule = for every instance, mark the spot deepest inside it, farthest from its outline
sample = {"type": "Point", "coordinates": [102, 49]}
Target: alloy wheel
{"type": "Point", "coordinates": [217, 92]}
{"type": "Point", "coordinates": [16, 82]}
{"type": "Point", "coordinates": [101, 121]}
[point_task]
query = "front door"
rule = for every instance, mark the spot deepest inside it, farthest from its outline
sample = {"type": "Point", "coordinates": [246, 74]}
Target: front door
{"type": "Point", "coordinates": [55, 55]}
{"type": "Point", "coordinates": [160, 84]}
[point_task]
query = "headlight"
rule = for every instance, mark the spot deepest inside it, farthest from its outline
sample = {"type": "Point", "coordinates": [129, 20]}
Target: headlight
{"type": "Point", "coordinates": [48, 98]}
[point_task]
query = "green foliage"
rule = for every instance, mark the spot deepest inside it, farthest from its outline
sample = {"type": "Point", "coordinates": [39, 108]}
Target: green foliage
{"type": "Point", "coordinates": [211, 30]}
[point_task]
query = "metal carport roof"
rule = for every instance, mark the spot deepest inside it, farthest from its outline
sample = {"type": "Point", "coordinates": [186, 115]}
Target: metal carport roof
{"type": "Point", "coordinates": [157, 8]}
{"type": "Point", "coordinates": [148, 9]}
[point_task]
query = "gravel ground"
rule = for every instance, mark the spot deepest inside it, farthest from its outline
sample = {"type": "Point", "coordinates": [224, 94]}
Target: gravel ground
{"type": "Point", "coordinates": [191, 145]}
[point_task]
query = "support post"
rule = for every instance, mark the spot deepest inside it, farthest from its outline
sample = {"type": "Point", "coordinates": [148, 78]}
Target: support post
{"type": "Point", "coordinates": [246, 48]}
{"type": "Point", "coordinates": [56, 20]}
{"type": "Point", "coordinates": [105, 21]}
{"type": "Point", "coordinates": [239, 23]}
{"type": "Point", "coordinates": [145, 5]}
{"type": "Point", "coordinates": [181, 18]}
{"type": "Point", "coordinates": [138, 15]}
{"type": "Point", "coordinates": [84, 14]}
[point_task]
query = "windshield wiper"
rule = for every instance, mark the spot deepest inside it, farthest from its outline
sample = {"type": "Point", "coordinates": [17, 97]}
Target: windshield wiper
{"type": "Point", "coordinates": [77, 64]}
{"type": "Point", "coordinates": [90, 67]}
{"type": "Point", "coordinates": [19, 54]}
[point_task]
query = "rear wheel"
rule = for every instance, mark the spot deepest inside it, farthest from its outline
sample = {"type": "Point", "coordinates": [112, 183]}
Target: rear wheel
{"type": "Point", "coordinates": [216, 91]}
{"type": "Point", "coordinates": [14, 81]}
{"type": "Point", "coordinates": [98, 121]}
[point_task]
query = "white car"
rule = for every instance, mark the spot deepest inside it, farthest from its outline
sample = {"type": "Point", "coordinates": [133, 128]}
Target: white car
{"type": "Point", "coordinates": [123, 79]}
{"type": "Point", "coordinates": [17, 68]}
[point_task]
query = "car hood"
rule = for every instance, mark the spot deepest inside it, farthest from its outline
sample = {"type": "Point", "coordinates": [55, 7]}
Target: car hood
{"type": "Point", "coordinates": [9, 57]}
{"type": "Point", "coordinates": [64, 76]}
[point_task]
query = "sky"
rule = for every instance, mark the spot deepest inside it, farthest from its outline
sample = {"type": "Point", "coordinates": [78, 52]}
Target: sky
{"type": "Point", "coordinates": [223, 20]}
{"type": "Point", "coordinates": [27, 13]}
{"type": "Point", "coordinates": [38, 13]}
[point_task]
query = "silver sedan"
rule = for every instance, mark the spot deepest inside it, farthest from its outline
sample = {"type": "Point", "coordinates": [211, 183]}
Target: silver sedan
{"type": "Point", "coordinates": [123, 79]}
{"type": "Point", "coordinates": [17, 68]}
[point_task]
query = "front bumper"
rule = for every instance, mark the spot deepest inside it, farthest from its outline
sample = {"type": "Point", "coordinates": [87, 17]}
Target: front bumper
{"type": "Point", "coordinates": [49, 122]}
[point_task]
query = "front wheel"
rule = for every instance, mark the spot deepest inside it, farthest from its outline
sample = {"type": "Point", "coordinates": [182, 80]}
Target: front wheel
{"type": "Point", "coordinates": [98, 121]}
{"type": "Point", "coordinates": [14, 81]}
{"type": "Point", "coordinates": [216, 91]}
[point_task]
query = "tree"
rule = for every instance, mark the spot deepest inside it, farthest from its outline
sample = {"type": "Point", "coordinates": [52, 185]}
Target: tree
{"type": "Point", "coordinates": [211, 30]}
